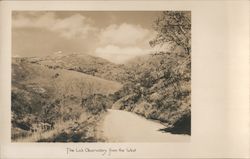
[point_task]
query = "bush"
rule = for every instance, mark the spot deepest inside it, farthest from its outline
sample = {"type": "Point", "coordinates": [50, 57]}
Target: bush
{"type": "Point", "coordinates": [96, 103]}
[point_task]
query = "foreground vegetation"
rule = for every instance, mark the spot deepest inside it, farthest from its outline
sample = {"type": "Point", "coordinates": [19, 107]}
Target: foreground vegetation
{"type": "Point", "coordinates": [56, 104]}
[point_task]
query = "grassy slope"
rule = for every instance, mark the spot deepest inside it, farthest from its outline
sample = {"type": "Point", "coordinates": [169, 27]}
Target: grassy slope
{"type": "Point", "coordinates": [83, 63]}
{"type": "Point", "coordinates": [36, 88]}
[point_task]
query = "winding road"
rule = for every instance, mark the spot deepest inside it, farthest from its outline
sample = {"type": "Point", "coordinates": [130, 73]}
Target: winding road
{"type": "Point", "coordinates": [123, 126]}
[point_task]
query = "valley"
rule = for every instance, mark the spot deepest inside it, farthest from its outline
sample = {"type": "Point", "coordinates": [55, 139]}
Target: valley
{"type": "Point", "coordinates": [75, 105]}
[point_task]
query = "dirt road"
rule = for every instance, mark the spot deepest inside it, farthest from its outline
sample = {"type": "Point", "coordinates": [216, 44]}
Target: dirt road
{"type": "Point", "coordinates": [123, 126]}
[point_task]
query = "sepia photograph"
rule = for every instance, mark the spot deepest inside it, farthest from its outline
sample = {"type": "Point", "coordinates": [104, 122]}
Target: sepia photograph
{"type": "Point", "coordinates": [101, 76]}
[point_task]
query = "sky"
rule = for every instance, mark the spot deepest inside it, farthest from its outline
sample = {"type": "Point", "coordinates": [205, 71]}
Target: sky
{"type": "Point", "coordinates": [117, 36]}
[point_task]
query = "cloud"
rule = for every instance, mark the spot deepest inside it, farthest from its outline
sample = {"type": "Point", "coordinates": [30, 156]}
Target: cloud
{"type": "Point", "coordinates": [123, 34]}
{"type": "Point", "coordinates": [118, 54]}
{"type": "Point", "coordinates": [117, 42]}
{"type": "Point", "coordinates": [120, 43]}
{"type": "Point", "coordinates": [73, 26]}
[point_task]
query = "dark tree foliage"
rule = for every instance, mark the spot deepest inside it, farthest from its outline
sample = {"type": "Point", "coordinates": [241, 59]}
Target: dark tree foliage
{"type": "Point", "coordinates": [174, 28]}
{"type": "Point", "coordinates": [50, 112]}
{"type": "Point", "coordinates": [95, 103]}
{"type": "Point", "coordinates": [163, 80]}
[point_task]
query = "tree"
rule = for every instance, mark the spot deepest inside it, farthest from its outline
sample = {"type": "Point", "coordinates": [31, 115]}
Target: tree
{"type": "Point", "coordinates": [173, 28]}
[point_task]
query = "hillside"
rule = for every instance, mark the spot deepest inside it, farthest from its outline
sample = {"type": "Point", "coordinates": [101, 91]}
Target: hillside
{"type": "Point", "coordinates": [159, 88]}
{"type": "Point", "coordinates": [75, 90]}
{"type": "Point", "coordinates": [44, 97]}
{"type": "Point", "coordinates": [83, 63]}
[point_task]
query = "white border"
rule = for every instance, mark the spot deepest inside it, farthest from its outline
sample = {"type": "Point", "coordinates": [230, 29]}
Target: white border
{"type": "Point", "coordinates": [220, 112]}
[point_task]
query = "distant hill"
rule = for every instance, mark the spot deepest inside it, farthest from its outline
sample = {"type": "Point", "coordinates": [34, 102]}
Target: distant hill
{"type": "Point", "coordinates": [83, 63]}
